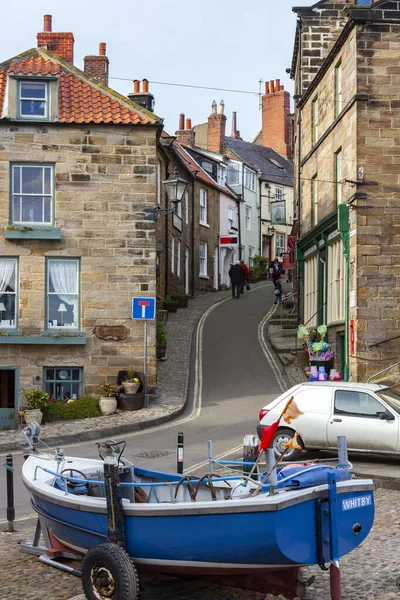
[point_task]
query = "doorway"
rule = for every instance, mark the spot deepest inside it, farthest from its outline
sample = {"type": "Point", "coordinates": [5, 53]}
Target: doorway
{"type": "Point", "coordinates": [8, 398]}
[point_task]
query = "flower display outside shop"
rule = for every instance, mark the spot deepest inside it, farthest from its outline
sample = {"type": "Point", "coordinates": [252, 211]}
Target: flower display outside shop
{"type": "Point", "coordinates": [314, 341]}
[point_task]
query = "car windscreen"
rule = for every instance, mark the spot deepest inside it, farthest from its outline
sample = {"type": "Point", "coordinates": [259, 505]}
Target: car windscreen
{"type": "Point", "coordinates": [391, 397]}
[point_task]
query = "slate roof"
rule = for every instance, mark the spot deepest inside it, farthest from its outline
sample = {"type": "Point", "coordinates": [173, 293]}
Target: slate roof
{"type": "Point", "coordinates": [263, 159]}
{"type": "Point", "coordinates": [81, 98]}
{"type": "Point", "coordinates": [197, 170]}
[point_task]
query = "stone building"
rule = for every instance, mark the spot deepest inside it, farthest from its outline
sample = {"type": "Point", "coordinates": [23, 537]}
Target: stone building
{"type": "Point", "coordinates": [77, 169]}
{"type": "Point", "coordinates": [348, 188]}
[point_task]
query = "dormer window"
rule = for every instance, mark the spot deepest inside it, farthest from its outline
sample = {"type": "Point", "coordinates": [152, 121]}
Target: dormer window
{"type": "Point", "coordinates": [33, 100]}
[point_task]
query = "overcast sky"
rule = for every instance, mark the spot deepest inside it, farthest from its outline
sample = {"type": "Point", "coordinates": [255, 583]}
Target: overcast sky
{"type": "Point", "coordinates": [228, 44]}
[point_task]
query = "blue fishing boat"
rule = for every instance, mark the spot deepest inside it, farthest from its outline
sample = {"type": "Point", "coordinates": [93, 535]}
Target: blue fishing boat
{"type": "Point", "coordinates": [225, 527]}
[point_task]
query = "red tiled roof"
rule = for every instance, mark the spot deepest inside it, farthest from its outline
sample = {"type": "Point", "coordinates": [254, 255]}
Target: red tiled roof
{"type": "Point", "coordinates": [81, 99]}
{"type": "Point", "coordinates": [197, 170]}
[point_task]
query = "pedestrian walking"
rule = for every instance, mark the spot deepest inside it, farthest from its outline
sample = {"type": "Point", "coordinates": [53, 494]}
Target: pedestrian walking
{"type": "Point", "coordinates": [246, 275]}
{"type": "Point", "coordinates": [276, 271]}
{"type": "Point", "coordinates": [236, 274]}
{"type": "Point", "coordinates": [278, 292]}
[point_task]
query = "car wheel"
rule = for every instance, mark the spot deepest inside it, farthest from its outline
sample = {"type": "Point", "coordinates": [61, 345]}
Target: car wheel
{"type": "Point", "coordinates": [282, 437]}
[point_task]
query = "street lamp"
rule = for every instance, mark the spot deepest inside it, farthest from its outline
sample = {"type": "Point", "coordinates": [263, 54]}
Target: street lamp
{"type": "Point", "coordinates": [175, 186]}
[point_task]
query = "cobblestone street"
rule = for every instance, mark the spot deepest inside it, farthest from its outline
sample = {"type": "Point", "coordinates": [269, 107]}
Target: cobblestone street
{"type": "Point", "coordinates": [368, 572]}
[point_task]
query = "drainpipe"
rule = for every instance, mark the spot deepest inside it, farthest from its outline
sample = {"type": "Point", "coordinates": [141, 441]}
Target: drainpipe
{"type": "Point", "coordinates": [166, 237]}
{"type": "Point", "coordinates": [259, 215]}
{"type": "Point", "coordinates": [193, 261]}
{"type": "Point", "coordinates": [299, 170]}
{"type": "Point", "coordinates": [240, 227]}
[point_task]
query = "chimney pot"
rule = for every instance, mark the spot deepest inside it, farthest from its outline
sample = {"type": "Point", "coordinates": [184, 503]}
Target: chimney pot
{"type": "Point", "coordinates": [181, 121]}
{"type": "Point", "coordinates": [47, 22]}
{"type": "Point", "coordinates": [221, 107]}
{"type": "Point", "coordinates": [136, 86]}
{"type": "Point", "coordinates": [188, 123]}
{"type": "Point", "coordinates": [214, 108]}
{"type": "Point", "coordinates": [266, 87]}
{"type": "Point", "coordinates": [102, 49]}
{"type": "Point", "coordinates": [272, 87]}
{"type": "Point", "coordinates": [145, 86]}
{"type": "Point", "coordinates": [278, 85]}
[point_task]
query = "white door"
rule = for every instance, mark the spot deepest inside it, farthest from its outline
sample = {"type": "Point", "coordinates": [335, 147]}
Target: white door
{"type": "Point", "coordinates": [357, 415]}
{"type": "Point", "coordinates": [186, 270]}
{"type": "Point", "coordinates": [215, 268]}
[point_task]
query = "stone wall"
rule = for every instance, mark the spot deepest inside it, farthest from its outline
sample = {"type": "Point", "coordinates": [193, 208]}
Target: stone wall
{"type": "Point", "coordinates": [104, 177]}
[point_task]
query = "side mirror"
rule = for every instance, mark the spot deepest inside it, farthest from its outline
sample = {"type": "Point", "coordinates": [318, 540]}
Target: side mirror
{"type": "Point", "coordinates": [386, 416]}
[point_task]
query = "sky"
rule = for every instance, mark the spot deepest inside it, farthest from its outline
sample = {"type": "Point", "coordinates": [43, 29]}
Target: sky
{"type": "Point", "coordinates": [229, 44]}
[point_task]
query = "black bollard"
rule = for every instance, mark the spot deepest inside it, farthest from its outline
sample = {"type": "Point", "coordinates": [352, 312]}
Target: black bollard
{"type": "Point", "coordinates": [10, 492]}
{"type": "Point", "coordinates": [179, 454]}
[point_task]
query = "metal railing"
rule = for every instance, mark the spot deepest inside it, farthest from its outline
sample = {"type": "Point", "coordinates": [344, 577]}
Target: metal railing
{"type": "Point", "coordinates": [383, 371]}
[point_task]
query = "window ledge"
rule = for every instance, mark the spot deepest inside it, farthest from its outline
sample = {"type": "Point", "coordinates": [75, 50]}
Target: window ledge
{"type": "Point", "coordinates": [77, 340]}
{"type": "Point", "coordinates": [204, 276]}
{"type": "Point", "coordinates": [52, 233]}
{"type": "Point", "coordinates": [204, 224]}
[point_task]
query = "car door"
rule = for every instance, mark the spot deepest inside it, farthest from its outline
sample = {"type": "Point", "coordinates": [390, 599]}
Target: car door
{"type": "Point", "coordinates": [315, 403]}
{"type": "Point", "coordinates": [357, 415]}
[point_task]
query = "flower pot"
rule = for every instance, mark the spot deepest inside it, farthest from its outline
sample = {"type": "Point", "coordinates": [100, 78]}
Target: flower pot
{"type": "Point", "coordinates": [161, 350]}
{"type": "Point", "coordinates": [130, 401]}
{"type": "Point", "coordinates": [107, 405]}
{"type": "Point", "coordinates": [33, 415]}
{"type": "Point", "coordinates": [130, 387]}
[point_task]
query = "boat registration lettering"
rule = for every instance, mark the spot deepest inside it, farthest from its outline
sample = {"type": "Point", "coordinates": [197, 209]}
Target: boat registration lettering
{"type": "Point", "coordinates": [359, 502]}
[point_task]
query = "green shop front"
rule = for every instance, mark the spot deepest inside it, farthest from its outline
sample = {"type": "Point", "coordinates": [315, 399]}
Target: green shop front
{"type": "Point", "coordinates": [321, 256]}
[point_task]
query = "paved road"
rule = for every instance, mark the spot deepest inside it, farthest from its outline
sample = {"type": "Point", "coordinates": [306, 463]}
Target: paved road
{"type": "Point", "coordinates": [236, 382]}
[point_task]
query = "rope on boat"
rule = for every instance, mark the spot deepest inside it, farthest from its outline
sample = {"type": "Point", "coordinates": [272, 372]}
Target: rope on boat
{"type": "Point", "coordinates": [7, 467]}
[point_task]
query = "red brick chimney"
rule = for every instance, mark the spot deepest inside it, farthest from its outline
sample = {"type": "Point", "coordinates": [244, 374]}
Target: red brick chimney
{"type": "Point", "coordinates": [61, 44]}
{"type": "Point", "coordinates": [97, 66]}
{"type": "Point", "coordinates": [185, 133]}
{"type": "Point", "coordinates": [275, 118]}
{"type": "Point", "coordinates": [216, 128]}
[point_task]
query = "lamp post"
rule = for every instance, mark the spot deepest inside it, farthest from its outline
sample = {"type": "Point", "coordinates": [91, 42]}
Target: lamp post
{"type": "Point", "coordinates": [175, 186]}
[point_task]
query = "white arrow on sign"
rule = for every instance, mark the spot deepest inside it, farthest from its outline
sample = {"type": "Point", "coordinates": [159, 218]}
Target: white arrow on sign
{"type": "Point", "coordinates": [143, 304]}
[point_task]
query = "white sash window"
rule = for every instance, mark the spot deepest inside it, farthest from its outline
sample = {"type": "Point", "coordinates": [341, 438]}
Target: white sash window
{"type": "Point", "coordinates": [62, 293]}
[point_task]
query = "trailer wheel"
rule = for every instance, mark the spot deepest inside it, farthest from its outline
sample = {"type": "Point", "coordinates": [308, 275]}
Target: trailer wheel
{"type": "Point", "coordinates": [109, 574]}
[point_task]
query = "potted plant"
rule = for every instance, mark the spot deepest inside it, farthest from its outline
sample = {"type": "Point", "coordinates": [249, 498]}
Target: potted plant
{"type": "Point", "coordinates": [130, 384]}
{"type": "Point", "coordinates": [161, 339]}
{"type": "Point", "coordinates": [253, 277]}
{"type": "Point", "coordinates": [170, 304]}
{"type": "Point", "coordinates": [181, 299]}
{"type": "Point", "coordinates": [36, 401]}
{"type": "Point", "coordinates": [108, 400]}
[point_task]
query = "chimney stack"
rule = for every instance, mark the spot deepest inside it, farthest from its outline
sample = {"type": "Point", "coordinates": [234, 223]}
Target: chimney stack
{"type": "Point", "coordinates": [275, 118]}
{"type": "Point", "coordinates": [143, 98]}
{"type": "Point", "coordinates": [61, 44]}
{"type": "Point", "coordinates": [98, 66]}
{"type": "Point", "coordinates": [185, 134]}
{"type": "Point", "coordinates": [235, 133]}
{"type": "Point", "coordinates": [216, 128]}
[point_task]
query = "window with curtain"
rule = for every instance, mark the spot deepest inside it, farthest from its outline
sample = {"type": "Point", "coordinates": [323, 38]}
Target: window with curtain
{"type": "Point", "coordinates": [203, 259]}
{"type": "Point", "coordinates": [336, 282]}
{"type": "Point", "coordinates": [310, 291]}
{"type": "Point", "coordinates": [63, 383]}
{"type": "Point", "coordinates": [280, 244]}
{"type": "Point", "coordinates": [8, 293]}
{"type": "Point", "coordinates": [231, 216]}
{"type": "Point", "coordinates": [32, 194]}
{"type": "Point", "coordinates": [203, 207]}
{"type": "Point", "coordinates": [63, 293]}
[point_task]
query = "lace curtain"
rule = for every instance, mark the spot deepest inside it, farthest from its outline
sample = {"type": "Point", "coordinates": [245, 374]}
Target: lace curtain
{"type": "Point", "coordinates": [6, 272]}
{"type": "Point", "coordinates": [64, 278]}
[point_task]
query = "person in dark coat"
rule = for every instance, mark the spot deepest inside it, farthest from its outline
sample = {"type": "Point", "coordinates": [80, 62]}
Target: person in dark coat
{"type": "Point", "coordinates": [237, 275]}
{"type": "Point", "coordinates": [276, 271]}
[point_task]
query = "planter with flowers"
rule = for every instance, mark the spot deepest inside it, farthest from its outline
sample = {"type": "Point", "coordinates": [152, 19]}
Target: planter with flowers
{"type": "Point", "coordinates": [130, 384]}
{"type": "Point", "coordinates": [108, 400]}
{"type": "Point", "coordinates": [36, 401]}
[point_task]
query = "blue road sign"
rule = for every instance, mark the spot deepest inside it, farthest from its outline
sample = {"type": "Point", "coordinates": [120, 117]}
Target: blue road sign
{"type": "Point", "coordinates": [144, 309]}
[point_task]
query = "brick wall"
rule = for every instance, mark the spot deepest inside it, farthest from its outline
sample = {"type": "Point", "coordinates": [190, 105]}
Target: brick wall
{"type": "Point", "coordinates": [104, 177]}
{"type": "Point", "coordinates": [61, 44]}
{"type": "Point", "coordinates": [216, 132]}
{"type": "Point", "coordinates": [98, 66]}
{"type": "Point", "coordinates": [275, 119]}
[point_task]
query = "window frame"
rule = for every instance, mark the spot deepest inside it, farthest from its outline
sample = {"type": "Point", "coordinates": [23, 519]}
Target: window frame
{"type": "Point", "coordinates": [203, 202]}
{"type": "Point", "coordinates": [338, 177]}
{"type": "Point", "coordinates": [14, 327]}
{"type": "Point", "coordinates": [249, 179]}
{"type": "Point", "coordinates": [314, 200]}
{"type": "Point", "coordinates": [279, 193]}
{"type": "Point", "coordinates": [36, 224]}
{"type": "Point", "coordinates": [338, 88]}
{"type": "Point", "coordinates": [251, 256]}
{"type": "Point", "coordinates": [342, 413]}
{"type": "Point", "coordinates": [173, 254]}
{"type": "Point", "coordinates": [203, 259]}
{"type": "Point", "coordinates": [23, 117]}
{"type": "Point", "coordinates": [282, 237]}
{"type": "Point", "coordinates": [231, 217]}
{"type": "Point", "coordinates": [178, 259]}
{"type": "Point", "coordinates": [186, 196]}
{"type": "Point", "coordinates": [47, 327]}
{"type": "Point", "coordinates": [53, 382]}
{"type": "Point", "coordinates": [248, 217]}
{"type": "Point", "coordinates": [315, 119]}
